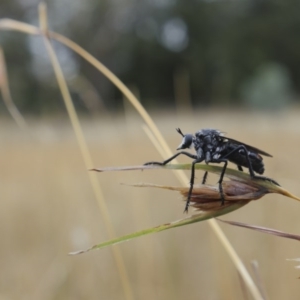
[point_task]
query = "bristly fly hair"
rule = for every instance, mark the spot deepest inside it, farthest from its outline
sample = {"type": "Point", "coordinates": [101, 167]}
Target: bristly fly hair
{"type": "Point", "coordinates": [212, 146]}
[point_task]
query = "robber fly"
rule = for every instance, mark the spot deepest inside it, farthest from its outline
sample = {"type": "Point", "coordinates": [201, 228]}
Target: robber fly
{"type": "Point", "coordinates": [212, 146]}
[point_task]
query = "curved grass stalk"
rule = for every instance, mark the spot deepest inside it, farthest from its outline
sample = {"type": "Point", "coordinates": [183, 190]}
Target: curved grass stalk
{"type": "Point", "coordinates": [190, 220]}
{"type": "Point", "coordinates": [6, 95]}
{"type": "Point", "coordinates": [84, 150]}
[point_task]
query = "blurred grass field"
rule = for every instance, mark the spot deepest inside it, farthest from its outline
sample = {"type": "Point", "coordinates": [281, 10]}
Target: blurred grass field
{"type": "Point", "coordinates": [48, 209]}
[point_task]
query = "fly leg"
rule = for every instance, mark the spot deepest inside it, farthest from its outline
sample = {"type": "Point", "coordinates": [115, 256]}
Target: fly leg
{"type": "Point", "coordinates": [192, 172]}
{"type": "Point", "coordinates": [170, 159]}
{"type": "Point", "coordinates": [191, 184]}
{"type": "Point", "coordinates": [204, 177]}
{"type": "Point", "coordinates": [225, 161]}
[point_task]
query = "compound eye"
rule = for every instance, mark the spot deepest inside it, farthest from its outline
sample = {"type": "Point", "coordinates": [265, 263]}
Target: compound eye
{"type": "Point", "coordinates": [187, 142]}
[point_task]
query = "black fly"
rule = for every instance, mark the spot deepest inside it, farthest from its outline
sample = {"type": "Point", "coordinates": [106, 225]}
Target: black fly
{"type": "Point", "coordinates": [212, 147]}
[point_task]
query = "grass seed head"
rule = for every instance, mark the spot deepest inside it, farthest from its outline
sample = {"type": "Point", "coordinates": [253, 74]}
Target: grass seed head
{"type": "Point", "coordinates": [208, 198]}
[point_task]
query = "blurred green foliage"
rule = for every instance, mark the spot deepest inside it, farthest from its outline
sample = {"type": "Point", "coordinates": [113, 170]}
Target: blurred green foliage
{"type": "Point", "coordinates": [222, 45]}
{"type": "Point", "coordinates": [270, 88]}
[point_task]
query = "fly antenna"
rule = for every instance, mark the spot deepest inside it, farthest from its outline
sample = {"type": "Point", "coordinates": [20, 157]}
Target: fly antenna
{"type": "Point", "coordinates": [179, 131]}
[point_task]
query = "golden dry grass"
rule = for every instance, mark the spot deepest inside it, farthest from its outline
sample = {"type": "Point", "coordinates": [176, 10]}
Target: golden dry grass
{"type": "Point", "coordinates": [48, 209]}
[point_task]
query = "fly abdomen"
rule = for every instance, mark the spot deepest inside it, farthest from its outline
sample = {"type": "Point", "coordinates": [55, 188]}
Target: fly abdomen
{"type": "Point", "coordinates": [239, 158]}
{"type": "Point", "coordinates": [257, 162]}
{"type": "Point", "coordinates": [258, 166]}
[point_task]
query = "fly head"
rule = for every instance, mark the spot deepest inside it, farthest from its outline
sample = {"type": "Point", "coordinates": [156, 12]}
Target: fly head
{"type": "Point", "coordinates": [187, 140]}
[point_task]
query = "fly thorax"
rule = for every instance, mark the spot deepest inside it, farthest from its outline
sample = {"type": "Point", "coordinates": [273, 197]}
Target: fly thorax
{"type": "Point", "coordinates": [207, 157]}
{"type": "Point", "coordinates": [200, 153]}
{"type": "Point", "coordinates": [207, 139]}
{"type": "Point", "coordinates": [209, 147]}
{"type": "Point", "coordinates": [197, 144]}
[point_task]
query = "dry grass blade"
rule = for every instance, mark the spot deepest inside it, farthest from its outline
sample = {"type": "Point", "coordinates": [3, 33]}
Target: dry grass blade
{"type": "Point", "coordinates": [297, 260]}
{"type": "Point", "coordinates": [84, 149]}
{"type": "Point", "coordinates": [7, 98]}
{"type": "Point", "coordinates": [8, 24]}
{"type": "Point", "coordinates": [199, 217]}
{"type": "Point", "coordinates": [258, 277]}
{"type": "Point", "coordinates": [264, 230]}
{"type": "Point", "coordinates": [256, 187]}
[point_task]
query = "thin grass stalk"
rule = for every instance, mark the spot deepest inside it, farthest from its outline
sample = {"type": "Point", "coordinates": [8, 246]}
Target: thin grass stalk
{"type": "Point", "coordinates": [245, 294]}
{"type": "Point", "coordinates": [6, 95]}
{"type": "Point", "coordinates": [154, 141]}
{"type": "Point", "coordinates": [10, 24]}
{"type": "Point", "coordinates": [257, 276]}
{"type": "Point", "coordinates": [85, 151]}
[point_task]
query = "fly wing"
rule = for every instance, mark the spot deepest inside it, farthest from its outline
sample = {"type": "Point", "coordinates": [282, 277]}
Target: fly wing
{"type": "Point", "coordinates": [251, 148]}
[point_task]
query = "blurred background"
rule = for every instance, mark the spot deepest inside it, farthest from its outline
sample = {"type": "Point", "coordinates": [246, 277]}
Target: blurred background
{"type": "Point", "coordinates": [230, 65]}
{"type": "Point", "coordinates": [207, 53]}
